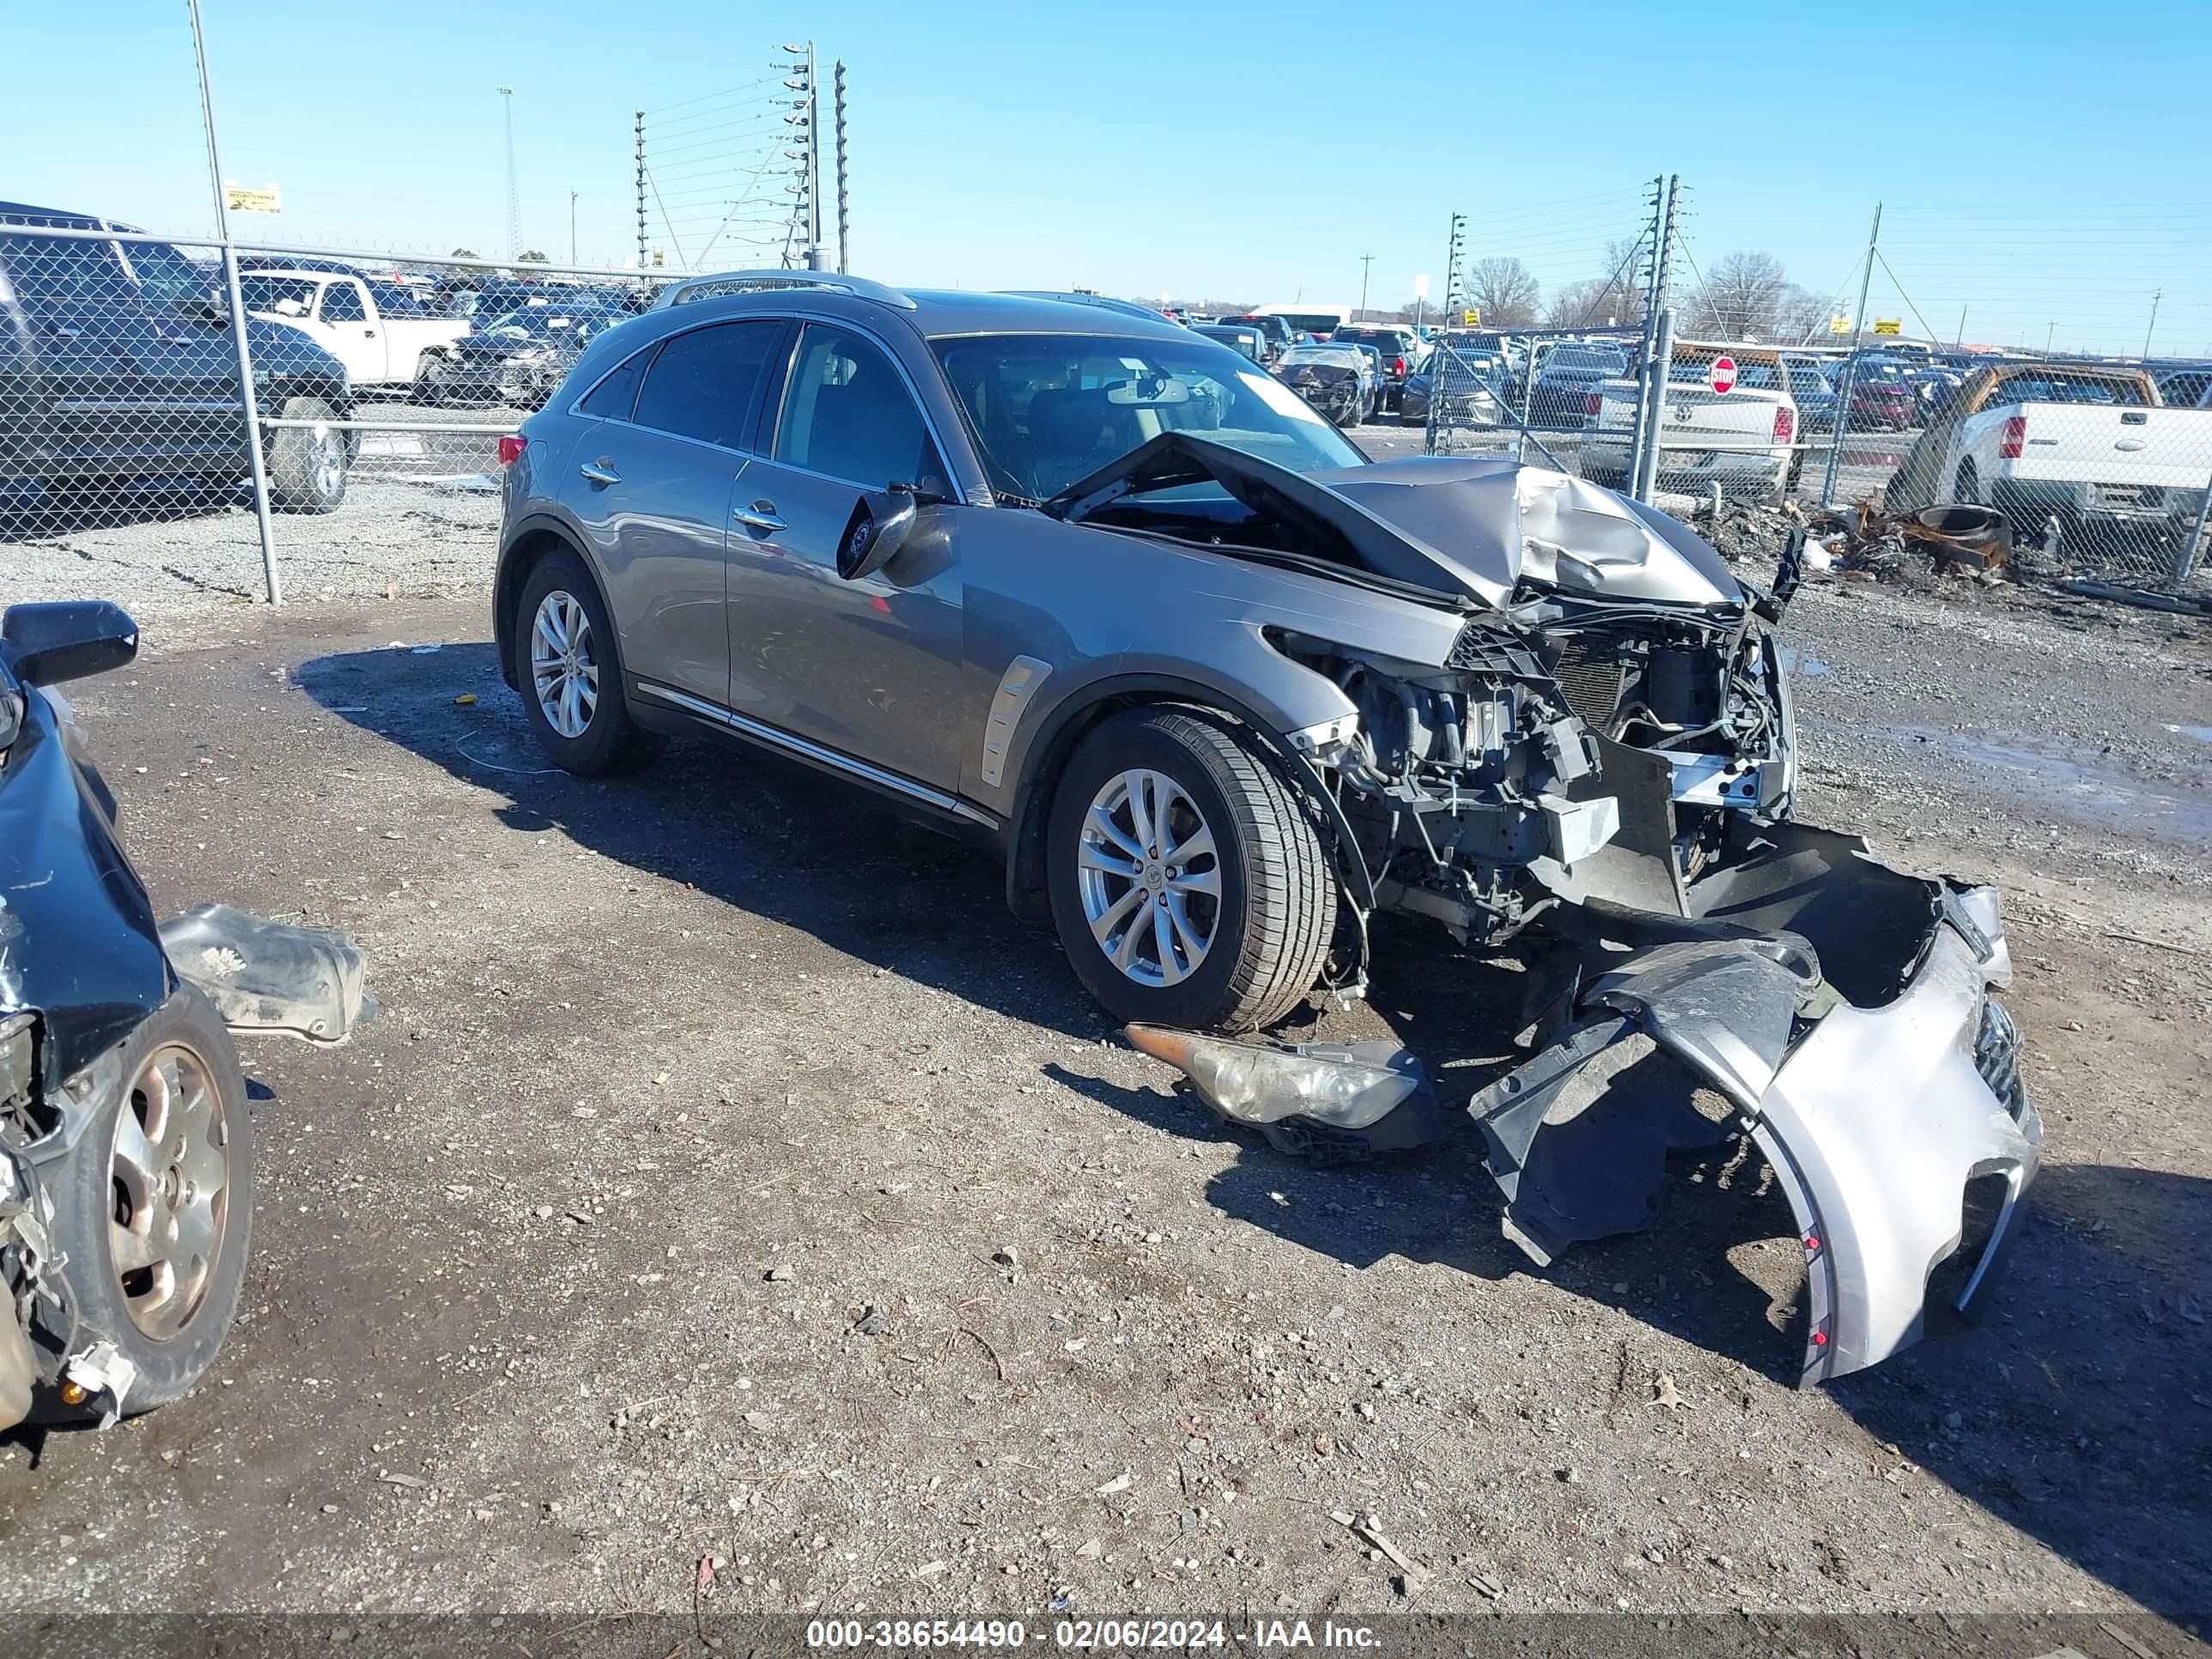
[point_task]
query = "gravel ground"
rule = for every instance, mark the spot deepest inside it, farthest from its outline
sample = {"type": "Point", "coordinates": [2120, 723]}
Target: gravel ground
{"type": "Point", "coordinates": [729, 1174]}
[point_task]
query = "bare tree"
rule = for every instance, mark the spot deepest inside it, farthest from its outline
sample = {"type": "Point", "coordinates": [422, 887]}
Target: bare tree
{"type": "Point", "coordinates": [1505, 291]}
{"type": "Point", "coordinates": [1800, 314]}
{"type": "Point", "coordinates": [1741, 298]}
{"type": "Point", "coordinates": [1614, 297]}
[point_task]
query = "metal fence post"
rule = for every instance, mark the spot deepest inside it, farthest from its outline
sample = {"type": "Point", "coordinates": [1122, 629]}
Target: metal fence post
{"type": "Point", "coordinates": [1851, 369]}
{"type": "Point", "coordinates": [1646, 484]}
{"type": "Point", "coordinates": [2184, 556]}
{"type": "Point", "coordinates": [238, 333]}
{"type": "Point", "coordinates": [1654, 299]}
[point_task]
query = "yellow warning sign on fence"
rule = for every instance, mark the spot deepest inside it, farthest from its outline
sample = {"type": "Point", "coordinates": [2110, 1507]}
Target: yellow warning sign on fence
{"type": "Point", "coordinates": [243, 198]}
{"type": "Point", "coordinates": [1888, 325]}
{"type": "Point", "coordinates": [1470, 318]}
{"type": "Point", "coordinates": [1839, 325]}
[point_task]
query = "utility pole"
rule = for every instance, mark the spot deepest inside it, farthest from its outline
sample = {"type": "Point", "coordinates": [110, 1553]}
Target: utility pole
{"type": "Point", "coordinates": [251, 408]}
{"type": "Point", "coordinates": [1958, 343]}
{"type": "Point", "coordinates": [1366, 261]}
{"type": "Point", "coordinates": [641, 189]}
{"type": "Point", "coordinates": [1454, 295]}
{"type": "Point", "coordinates": [573, 194]}
{"type": "Point", "coordinates": [1851, 366]}
{"type": "Point", "coordinates": [513, 208]}
{"type": "Point", "coordinates": [1651, 393]}
{"type": "Point", "coordinates": [806, 186]}
{"type": "Point", "coordinates": [2154, 299]}
{"type": "Point", "coordinates": [2049, 329]}
{"type": "Point", "coordinates": [838, 80]}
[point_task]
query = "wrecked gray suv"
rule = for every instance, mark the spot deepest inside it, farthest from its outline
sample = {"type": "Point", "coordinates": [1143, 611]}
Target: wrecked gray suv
{"type": "Point", "coordinates": [1109, 598]}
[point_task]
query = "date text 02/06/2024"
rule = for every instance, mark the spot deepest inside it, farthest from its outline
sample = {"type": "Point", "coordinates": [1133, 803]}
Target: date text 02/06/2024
{"type": "Point", "coordinates": [1084, 1635]}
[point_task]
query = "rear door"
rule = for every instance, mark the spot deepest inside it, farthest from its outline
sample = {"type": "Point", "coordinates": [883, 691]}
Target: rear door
{"type": "Point", "coordinates": [72, 401]}
{"type": "Point", "coordinates": [870, 669]}
{"type": "Point", "coordinates": [187, 360]}
{"type": "Point", "coordinates": [650, 483]}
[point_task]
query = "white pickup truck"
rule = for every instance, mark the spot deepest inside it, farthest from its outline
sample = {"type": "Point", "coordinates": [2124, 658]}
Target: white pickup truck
{"type": "Point", "coordinates": [1745, 438]}
{"type": "Point", "coordinates": [2091, 447]}
{"type": "Point", "coordinates": [377, 329]}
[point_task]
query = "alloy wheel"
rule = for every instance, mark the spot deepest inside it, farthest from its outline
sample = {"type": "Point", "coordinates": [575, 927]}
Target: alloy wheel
{"type": "Point", "coordinates": [1150, 878]}
{"type": "Point", "coordinates": [563, 673]}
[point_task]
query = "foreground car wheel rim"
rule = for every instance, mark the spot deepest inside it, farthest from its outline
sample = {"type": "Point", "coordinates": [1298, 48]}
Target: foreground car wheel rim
{"type": "Point", "coordinates": [326, 461]}
{"type": "Point", "coordinates": [169, 1177]}
{"type": "Point", "coordinates": [1150, 878]}
{"type": "Point", "coordinates": [563, 672]}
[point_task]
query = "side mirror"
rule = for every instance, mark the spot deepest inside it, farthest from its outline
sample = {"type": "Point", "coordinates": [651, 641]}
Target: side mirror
{"type": "Point", "coordinates": [873, 535]}
{"type": "Point", "coordinates": [66, 640]}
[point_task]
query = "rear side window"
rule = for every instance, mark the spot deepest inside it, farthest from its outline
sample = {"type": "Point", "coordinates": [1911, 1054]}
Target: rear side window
{"type": "Point", "coordinates": [848, 414]}
{"type": "Point", "coordinates": [702, 383]}
{"type": "Point", "coordinates": [614, 396]}
{"type": "Point", "coordinates": [342, 304]}
{"type": "Point", "coordinates": [62, 269]}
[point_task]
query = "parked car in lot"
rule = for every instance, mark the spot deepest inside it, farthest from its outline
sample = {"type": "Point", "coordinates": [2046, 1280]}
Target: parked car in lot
{"type": "Point", "coordinates": [1399, 350]}
{"type": "Point", "coordinates": [2086, 446]}
{"type": "Point", "coordinates": [118, 372]}
{"type": "Point", "coordinates": [379, 331]}
{"type": "Point", "coordinates": [1744, 438]}
{"type": "Point", "coordinates": [1566, 373]}
{"type": "Point", "coordinates": [1882, 395]}
{"type": "Point", "coordinates": [1344, 382]}
{"type": "Point", "coordinates": [515, 360]}
{"type": "Point", "coordinates": [1098, 593]}
{"type": "Point", "coordinates": [1462, 388]}
{"type": "Point", "coordinates": [1812, 392]}
{"type": "Point", "coordinates": [1316, 322]}
{"type": "Point", "coordinates": [2186, 387]}
{"type": "Point", "coordinates": [1241, 338]}
{"type": "Point", "coordinates": [1275, 331]}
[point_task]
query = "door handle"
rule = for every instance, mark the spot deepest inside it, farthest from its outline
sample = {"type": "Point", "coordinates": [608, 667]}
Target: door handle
{"type": "Point", "coordinates": [368, 334]}
{"type": "Point", "coordinates": [599, 472]}
{"type": "Point", "coordinates": [760, 516]}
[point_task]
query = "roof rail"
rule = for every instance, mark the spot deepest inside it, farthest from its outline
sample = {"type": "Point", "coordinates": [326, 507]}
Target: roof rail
{"type": "Point", "coordinates": [746, 282]}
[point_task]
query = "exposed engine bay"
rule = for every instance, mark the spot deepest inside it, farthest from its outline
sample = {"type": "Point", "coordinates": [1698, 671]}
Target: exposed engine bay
{"type": "Point", "coordinates": [1605, 755]}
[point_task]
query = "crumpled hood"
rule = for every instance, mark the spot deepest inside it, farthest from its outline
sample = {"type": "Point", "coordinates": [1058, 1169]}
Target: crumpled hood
{"type": "Point", "coordinates": [1499, 521]}
{"type": "Point", "coordinates": [1450, 524]}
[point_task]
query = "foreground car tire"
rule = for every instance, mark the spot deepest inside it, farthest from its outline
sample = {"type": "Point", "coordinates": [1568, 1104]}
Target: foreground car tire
{"type": "Point", "coordinates": [565, 663]}
{"type": "Point", "coordinates": [307, 468]}
{"type": "Point", "coordinates": [153, 1206]}
{"type": "Point", "coordinates": [1187, 875]}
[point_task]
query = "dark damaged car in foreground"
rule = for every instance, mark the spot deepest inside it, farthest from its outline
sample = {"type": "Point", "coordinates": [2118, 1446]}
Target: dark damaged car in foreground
{"type": "Point", "coordinates": [1107, 598]}
{"type": "Point", "coordinates": [126, 1143]}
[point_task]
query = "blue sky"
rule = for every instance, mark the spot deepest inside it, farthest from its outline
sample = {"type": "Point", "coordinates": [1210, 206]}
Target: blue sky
{"type": "Point", "coordinates": [2037, 164]}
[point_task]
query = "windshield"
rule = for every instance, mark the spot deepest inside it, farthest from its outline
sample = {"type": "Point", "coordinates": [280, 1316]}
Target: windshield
{"type": "Point", "coordinates": [1046, 410]}
{"type": "Point", "coordinates": [1312, 322]}
{"type": "Point", "coordinates": [1605, 362]}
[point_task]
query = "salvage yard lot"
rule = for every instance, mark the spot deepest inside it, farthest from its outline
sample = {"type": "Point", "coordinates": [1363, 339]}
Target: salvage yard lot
{"type": "Point", "coordinates": [681, 1080]}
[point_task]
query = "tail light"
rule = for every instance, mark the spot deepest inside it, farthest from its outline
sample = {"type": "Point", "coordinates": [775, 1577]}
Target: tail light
{"type": "Point", "coordinates": [1398, 367]}
{"type": "Point", "coordinates": [1785, 425]}
{"type": "Point", "coordinates": [1593, 402]}
{"type": "Point", "coordinates": [510, 448]}
{"type": "Point", "coordinates": [2013, 439]}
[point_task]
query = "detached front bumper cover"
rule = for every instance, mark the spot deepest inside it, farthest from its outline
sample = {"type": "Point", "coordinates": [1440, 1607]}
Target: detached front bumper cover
{"type": "Point", "coordinates": [1845, 1013]}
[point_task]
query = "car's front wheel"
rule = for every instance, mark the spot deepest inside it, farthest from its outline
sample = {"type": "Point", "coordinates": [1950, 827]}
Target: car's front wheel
{"type": "Point", "coordinates": [1187, 878]}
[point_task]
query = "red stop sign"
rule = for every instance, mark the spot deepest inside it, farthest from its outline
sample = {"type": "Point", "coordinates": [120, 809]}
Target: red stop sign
{"type": "Point", "coordinates": [1722, 378]}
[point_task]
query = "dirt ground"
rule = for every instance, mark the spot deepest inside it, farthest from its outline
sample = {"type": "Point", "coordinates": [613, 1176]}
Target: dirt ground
{"type": "Point", "coordinates": [729, 1174]}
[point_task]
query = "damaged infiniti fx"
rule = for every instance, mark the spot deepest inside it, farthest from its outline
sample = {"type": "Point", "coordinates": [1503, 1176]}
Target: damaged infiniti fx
{"type": "Point", "coordinates": [1110, 598]}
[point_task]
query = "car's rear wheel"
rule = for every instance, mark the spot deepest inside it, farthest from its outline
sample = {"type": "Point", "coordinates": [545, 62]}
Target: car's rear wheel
{"type": "Point", "coordinates": [1187, 874]}
{"type": "Point", "coordinates": [564, 661]}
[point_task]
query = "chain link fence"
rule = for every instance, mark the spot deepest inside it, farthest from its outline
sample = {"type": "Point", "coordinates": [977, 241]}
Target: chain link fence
{"type": "Point", "coordinates": [381, 390]}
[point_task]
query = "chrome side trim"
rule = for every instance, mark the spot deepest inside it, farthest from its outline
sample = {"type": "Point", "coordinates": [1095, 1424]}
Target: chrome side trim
{"type": "Point", "coordinates": [1023, 676]}
{"type": "Point", "coordinates": [819, 753]}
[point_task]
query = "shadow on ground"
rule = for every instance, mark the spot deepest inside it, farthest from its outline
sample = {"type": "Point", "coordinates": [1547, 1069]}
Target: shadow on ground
{"type": "Point", "coordinates": [2078, 1412]}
